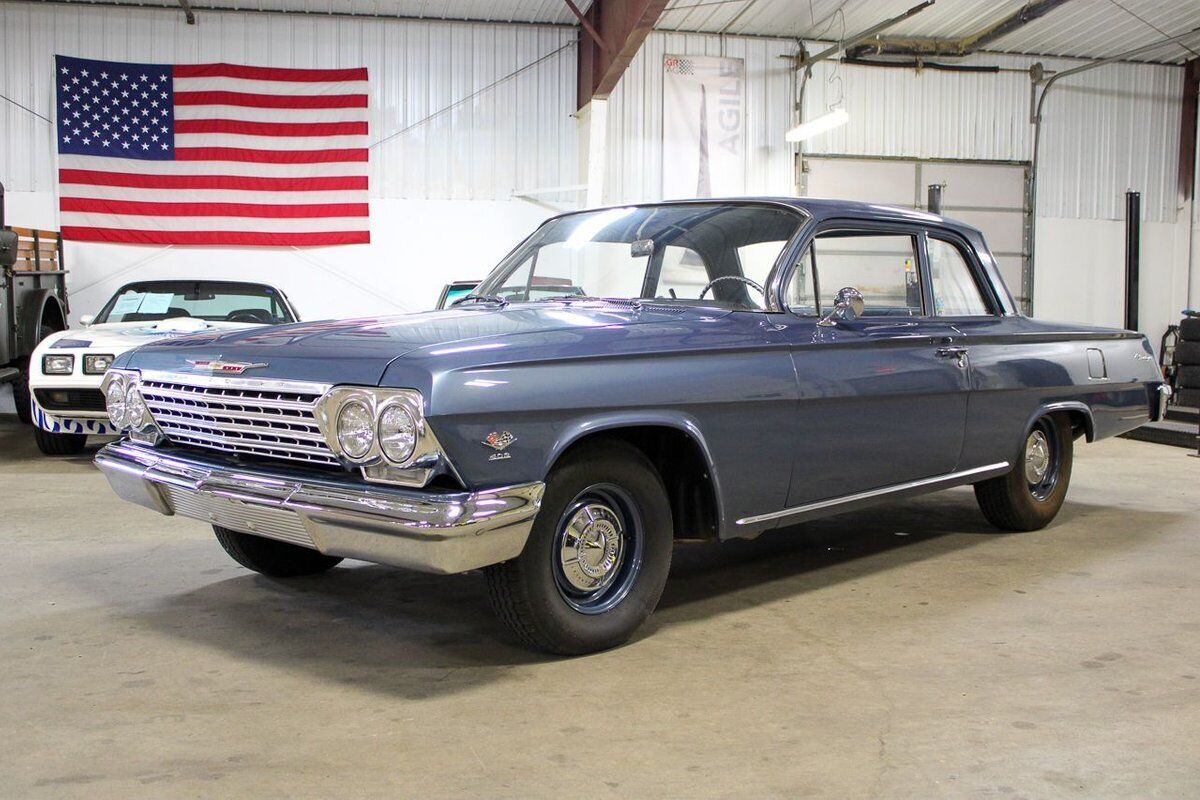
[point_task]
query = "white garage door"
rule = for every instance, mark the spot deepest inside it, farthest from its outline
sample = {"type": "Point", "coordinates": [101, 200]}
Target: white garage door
{"type": "Point", "coordinates": [988, 195]}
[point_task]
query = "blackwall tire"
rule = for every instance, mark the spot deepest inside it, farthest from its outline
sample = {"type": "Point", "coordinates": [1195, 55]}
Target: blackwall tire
{"type": "Point", "coordinates": [1188, 353]}
{"type": "Point", "coordinates": [271, 557]}
{"type": "Point", "coordinates": [1015, 501]}
{"type": "Point", "coordinates": [1188, 376]}
{"type": "Point", "coordinates": [20, 389]}
{"type": "Point", "coordinates": [596, 561]}
{"type": "Point", "coordinates": [1189, 329]}
{"type": "Point", "coordinates": [59, 444]}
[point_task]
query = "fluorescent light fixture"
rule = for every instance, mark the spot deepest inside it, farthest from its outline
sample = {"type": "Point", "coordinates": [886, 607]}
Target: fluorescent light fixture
{"type": "Point", "coordinates": [814, 127]}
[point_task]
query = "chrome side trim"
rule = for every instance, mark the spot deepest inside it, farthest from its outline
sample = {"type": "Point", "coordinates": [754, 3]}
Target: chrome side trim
{"type": "Point", "coordinates": [442, 532]}
{"type": "Point", "coordinates": [949, 478]}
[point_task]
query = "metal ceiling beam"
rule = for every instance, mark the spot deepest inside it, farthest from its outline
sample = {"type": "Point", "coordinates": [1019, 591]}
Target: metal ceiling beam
{"type": "Point", "coordinates": [918, 46]}
{"type": "Point", "coordinates": [806, 61]}
{"type": "Point", "coordinates": [620, 27]}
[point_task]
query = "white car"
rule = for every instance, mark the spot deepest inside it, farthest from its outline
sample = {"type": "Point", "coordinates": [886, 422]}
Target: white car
{"type": "Point", "coordinates": [67, 367]}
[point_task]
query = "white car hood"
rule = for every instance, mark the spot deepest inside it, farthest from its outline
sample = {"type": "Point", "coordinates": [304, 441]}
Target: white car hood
{"type": "Point", "coordinates": [117, 337]}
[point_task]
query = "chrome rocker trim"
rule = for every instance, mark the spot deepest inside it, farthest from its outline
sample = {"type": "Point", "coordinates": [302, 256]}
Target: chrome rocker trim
{"type": "Point", "coordinates": [798, 513]}
{"type": "Point", "coordinates": [440, 532]}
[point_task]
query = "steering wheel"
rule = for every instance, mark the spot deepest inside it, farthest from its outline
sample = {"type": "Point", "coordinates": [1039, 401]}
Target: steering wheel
{"type": "Point", "coordinates": [744, 280]}
{"type": "Point", "coordinates": [251, 315]}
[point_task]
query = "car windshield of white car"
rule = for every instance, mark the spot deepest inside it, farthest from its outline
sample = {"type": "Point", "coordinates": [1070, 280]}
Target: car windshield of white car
{"type": "Point", "coordinates": [212, 301]}
{"type": "Point", "coordinates": [690, 253]}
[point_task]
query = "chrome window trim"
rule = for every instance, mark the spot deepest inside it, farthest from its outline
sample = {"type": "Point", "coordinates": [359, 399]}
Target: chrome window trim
{"type": "Point", "coordinates": [819, 505]}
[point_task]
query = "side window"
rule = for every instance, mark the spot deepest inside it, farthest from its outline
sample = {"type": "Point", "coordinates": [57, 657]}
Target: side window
{"type": "Point", "coordinates": [799, 296]}
{"type": "Point", "coordinates": [955, 293]}
{"type": "Point", "coordinates": [883, 266]}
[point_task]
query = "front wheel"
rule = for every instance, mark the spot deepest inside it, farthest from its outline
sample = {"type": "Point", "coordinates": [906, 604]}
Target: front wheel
{"type": "Point", "coordinates": [59, 444]}
{"type": "Point", "coordinates": [1030, 495]}
{"type": "Point", "coordinates": [597, 558]}
{"type": "Point", "coordinates": [272, 557]}
{"type": "Point", "coordinates": [21, 397]}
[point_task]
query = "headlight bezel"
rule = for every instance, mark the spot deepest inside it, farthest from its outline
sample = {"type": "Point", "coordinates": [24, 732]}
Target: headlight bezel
{"type": "Point", "coordinates": [365, 434]}
{"type": "Point", "coordinates": [128, 383]}
{"type": "Point", "coordinates": [426, 456]}
{"type": "Point", "coordinates": [89, 363]}
{"type": "Point", "coordinates": [117, 384]}
{"type": "Point", "coordinates": [68, 359]}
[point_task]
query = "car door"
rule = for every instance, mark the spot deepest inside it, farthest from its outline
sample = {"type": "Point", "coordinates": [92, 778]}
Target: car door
{"type": "Point", "coordinates": [882, 398]}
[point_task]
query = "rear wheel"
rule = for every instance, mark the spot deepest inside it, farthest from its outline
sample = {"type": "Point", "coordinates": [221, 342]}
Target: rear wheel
{"type": "Point", "coordinates": [1030, 495]}
{"type": "Point", "coordinates": [597, 558]}
{"type": "Point", "coordinates": [272, 557]}
{"type": "Point", "coordinates": [59, 444]}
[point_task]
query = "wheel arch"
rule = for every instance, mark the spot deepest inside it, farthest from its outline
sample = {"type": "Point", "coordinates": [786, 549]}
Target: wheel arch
{"type": "Point", "coordinates": [41, 306]}
{"type": "Point", "coordinates": [1080, 414]}
{"type": "Point", "coordinates": [676, 447]}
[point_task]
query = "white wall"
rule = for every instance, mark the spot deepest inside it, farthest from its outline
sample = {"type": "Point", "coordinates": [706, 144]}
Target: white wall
{"type": "Point", "coordinates": [416, 247]}
{"type": "Point", "coordinates": [442, 203]}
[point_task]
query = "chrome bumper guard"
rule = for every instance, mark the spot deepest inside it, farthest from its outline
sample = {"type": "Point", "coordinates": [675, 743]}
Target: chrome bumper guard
{"type": "Point", "coordinates": [442, 532]}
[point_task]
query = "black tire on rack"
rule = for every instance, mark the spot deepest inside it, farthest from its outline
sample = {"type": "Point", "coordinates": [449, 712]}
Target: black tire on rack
{"type": "Point", "coordinates": [1189, 329]}
{"type": "Point", "coordinates": [1187, 353]}
{"type": "Point", "coordinates": [1189, 376]}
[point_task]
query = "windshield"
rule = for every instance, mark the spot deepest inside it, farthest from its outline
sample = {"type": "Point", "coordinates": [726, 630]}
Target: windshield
{"type": "Point", "coordinates": [715, 253]}
{"type": "Point", "coordinates": [212, 301]}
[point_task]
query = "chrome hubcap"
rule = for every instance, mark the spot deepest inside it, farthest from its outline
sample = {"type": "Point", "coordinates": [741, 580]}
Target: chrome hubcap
{"type": "Point", "coordinates": [1037, 457]}
{"type": "Point", "coordinates": [592, 548]}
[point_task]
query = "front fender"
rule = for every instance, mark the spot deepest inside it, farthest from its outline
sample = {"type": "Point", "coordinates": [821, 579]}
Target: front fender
{"type": "Point", "coordinates": [33, 311]}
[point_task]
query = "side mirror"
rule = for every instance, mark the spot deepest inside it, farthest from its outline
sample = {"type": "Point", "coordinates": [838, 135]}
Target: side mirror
{"type": "Point", "coordinates": [8, 248]}
{"type": "Point", "coordinates": [848, 306]}
{"type": "Point", "coordinates": [87, 319]}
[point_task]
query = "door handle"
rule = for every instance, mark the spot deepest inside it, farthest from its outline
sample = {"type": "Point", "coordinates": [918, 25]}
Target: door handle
{"type": "Point", "coordinates": [959, 353]}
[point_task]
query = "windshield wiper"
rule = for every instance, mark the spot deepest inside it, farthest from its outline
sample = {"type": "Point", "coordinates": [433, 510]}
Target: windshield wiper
{"type": "Point", "coordinates": [483, 298]}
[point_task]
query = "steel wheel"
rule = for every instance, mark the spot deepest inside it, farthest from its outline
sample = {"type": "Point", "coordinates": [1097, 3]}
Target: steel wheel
{"type": "Point", "coordinates": [1041, 460]}
{"type": "Point", "coordinates": [598, 548]}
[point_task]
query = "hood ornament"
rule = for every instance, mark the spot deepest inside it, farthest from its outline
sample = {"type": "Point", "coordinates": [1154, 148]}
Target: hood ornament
{"type": "Point", "coordinates": [219, 367]}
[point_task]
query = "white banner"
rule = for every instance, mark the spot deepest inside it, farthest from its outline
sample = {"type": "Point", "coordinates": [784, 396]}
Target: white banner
{"type": "Point", "coordinates": [704, 124]}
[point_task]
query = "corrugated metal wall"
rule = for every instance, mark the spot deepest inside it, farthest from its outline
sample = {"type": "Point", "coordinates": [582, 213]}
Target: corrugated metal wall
{"type": "Point", "coordinates": [1104, 131]}
{"type": "Point", "coordinates": [635, 114]}
{"type": "Point", "coordinates": [518, 135]}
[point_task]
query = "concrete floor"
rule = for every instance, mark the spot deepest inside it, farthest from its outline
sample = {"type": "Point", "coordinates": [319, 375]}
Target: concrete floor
{"type": "Point", "coordinates": [907, 651]}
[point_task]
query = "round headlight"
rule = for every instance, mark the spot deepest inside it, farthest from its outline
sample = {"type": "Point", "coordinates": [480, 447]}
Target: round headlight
{"type": "Point", "coordinates": [355, 433]}
{"type": "Point", "coordinates": [114, 399]}
{"type": "Point", "coordinates": [136, 410]}
{"type": "Point", "coordinates": [397, 433]}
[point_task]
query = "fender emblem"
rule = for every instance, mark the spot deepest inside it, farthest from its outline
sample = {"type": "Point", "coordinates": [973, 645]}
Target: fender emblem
{"type": "Point", "coordinates": [219, 367]}
{"type": "Point", "coordinates": [498, 441]}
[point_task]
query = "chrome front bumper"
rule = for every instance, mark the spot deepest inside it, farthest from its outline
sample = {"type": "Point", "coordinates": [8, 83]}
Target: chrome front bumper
{"type": "Point", "coordinates": [443, 532]}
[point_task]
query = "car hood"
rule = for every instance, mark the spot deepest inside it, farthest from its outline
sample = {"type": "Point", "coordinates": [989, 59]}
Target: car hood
{"type": "Point", "coordinates": [117, 337]}
{"type": "Point", "coordinates": [359, 350]}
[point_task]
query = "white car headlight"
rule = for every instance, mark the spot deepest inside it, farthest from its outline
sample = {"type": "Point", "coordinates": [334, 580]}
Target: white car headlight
{"type": "Point", "coordinates": [355, 429]}
{"type": "Point", "coordinates": [136, 412]}
{"type": "Point", "coordinates": [96, 363]}
{"type": "Point", "coordinates": [397, 433]}
{"type": "Point", "coordinates": [58, 364]}
{"type": "Point", "coordinates": [114, 398]}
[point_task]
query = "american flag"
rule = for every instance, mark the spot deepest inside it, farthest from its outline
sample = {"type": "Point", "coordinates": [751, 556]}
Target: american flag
{"type": "Point", "coordinates": [211, 154]}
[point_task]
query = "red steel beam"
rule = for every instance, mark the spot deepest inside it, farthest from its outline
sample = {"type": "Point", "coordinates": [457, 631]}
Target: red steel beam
{"type": "Point", "coordinates": [616, 30]}
{"type": "Point", "coordinates": [1187, 133]}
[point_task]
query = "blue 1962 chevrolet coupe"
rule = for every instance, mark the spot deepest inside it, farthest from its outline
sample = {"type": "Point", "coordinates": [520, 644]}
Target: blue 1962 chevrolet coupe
{"type": "Point", "coordinates": [624, 378]}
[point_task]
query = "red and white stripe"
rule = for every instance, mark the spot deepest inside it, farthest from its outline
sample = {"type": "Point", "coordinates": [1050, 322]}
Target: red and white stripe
{"type": "Point", "coordinates": [263, 156]}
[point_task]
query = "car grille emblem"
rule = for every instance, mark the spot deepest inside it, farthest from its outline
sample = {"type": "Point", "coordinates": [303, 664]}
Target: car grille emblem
{"type": "Point", "coordinates": [218, 367]}
{"type": "Point", "coordinates": [498, 441]}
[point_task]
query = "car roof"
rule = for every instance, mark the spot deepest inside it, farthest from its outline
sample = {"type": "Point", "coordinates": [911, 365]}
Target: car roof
{"type": "Point", "coordinates": [821, 208]}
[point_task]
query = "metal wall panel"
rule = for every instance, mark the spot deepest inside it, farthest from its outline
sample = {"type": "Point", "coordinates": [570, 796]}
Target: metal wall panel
{"type": "Point", "coordinates": [1104, 131]}
{"type": "Point", "coordinates": [635, 115]}
{"type": "Point", "coordinates": [517, 135]}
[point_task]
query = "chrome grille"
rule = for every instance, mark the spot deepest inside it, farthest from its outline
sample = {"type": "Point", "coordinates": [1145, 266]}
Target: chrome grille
{"type": "Point", "coordinates": [268, 422]}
